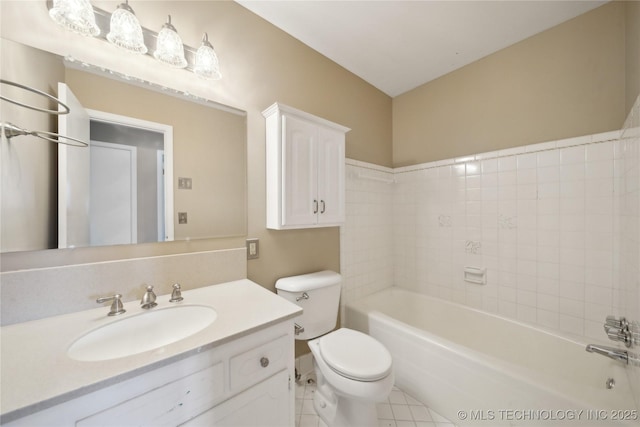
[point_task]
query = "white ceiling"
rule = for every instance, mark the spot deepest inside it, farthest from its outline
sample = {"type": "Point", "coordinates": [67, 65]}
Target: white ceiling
{"type": "Point", "coordinates": [399, 45]}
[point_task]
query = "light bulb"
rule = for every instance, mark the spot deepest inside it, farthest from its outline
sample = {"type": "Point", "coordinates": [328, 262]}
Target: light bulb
{"type": "Point", "coordinates": [75, 15]}
{"type": "Point", "coordinates": [206, 63]}
{"type": "Point", "coordinates": [125, 31]}
{"type": "Point", "coordinates": [169, 47]}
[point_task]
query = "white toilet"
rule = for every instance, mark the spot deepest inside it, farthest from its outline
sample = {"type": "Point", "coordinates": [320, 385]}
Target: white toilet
{"type": "Point", "coordinates": [353, 370]}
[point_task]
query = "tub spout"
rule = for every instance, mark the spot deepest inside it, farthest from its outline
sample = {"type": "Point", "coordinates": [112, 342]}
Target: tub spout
{"type": "Point", "coordinates": [610, 352]}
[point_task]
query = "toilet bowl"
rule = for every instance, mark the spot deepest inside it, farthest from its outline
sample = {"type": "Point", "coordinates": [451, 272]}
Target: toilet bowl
{"type": "Point", "coordinates": [353, 370]}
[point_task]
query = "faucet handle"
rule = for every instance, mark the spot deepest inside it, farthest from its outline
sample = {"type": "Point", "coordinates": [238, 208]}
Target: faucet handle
{"type": "Point", "coordinates": [176, 294]}
{"type": "Point", "coordinates": [618, 330]}
{"type": "Point", "coordinates": [612, 322]}
{"type": "Point", "coordinates": [116, 305]}
{"type": "Point", "coordinates": [623, 336]}
{"type": "Point", "coordinates": [149, 298]}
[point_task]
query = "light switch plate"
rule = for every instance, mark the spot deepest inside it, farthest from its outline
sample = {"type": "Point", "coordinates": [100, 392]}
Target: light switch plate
{"type": "Point", "coordinates": [182, 217]}
{"type": "Point", "coordinates": [253, 248]}
{"type": "Point", "coordinates": [184, 183]}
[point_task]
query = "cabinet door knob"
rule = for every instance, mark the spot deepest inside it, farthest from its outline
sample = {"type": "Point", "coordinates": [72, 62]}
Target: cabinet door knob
{"type": "Point", "coordinates": [315, 206]}
{"type": "Point", "coordinates": [322, 210]}
{"type": "Point", "coordinates": [264, 362]}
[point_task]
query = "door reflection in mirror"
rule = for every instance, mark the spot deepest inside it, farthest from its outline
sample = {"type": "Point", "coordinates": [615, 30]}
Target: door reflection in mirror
{"type": "Point", "coordinates": [129, 197]}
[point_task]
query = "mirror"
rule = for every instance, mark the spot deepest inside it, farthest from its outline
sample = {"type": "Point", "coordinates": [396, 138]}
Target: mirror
{"type": "Point", "coordinates": [196, 150]}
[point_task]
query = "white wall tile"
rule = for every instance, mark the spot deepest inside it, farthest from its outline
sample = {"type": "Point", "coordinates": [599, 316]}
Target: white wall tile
{"type": "Point", "coordinates": [489, 166]}
{"type": "Point", "coordinates": [373, 209]}
{"type": "Point", "coordinates": [560, 246]}
{"type": "Point", "coordinates": [599, 152]}
{"type": "Point", "coordinates": [548, 158]}
{"type": "Point", "coordinates": [572, 156]}
{"type": "Point", "coordinates": [548, 174]}
{"type": "Point", "coordinates": [526, 161]}
{"type": "Point", "coordinates": [508, 163]}
{"type": "Point", "coordinates": [570, 324]}
{"type": "Point", "coordinates": [572, 172]}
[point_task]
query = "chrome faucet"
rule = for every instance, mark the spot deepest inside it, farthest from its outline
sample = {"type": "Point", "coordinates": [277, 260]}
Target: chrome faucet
{"type": "Point", "coordinates": [148, 299]}
{"type": "Point", "coordinates": [116, 305]}
{"type": "Point", "coordinates": [610, 352]}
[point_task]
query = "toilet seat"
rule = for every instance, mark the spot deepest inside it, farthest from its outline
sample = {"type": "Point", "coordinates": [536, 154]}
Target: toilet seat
{"type": "Point", "coordinates": [355, 355]}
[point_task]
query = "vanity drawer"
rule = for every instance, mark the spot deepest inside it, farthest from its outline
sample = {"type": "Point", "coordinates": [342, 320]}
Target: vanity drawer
{"type": "Point", "coordinates": [252, 366]}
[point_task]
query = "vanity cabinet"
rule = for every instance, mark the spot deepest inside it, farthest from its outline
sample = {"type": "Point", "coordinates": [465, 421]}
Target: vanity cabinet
{"type": "Point", "coordinates": [244, 382]}
{"type": "Point", "coordinates": [305, 169]}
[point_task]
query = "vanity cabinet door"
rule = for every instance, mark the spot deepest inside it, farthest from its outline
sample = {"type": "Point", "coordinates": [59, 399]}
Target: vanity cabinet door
{"type": "Point", "coordinates": [168, 405]}
{"type": "Point", "coordinates": [266, 404]}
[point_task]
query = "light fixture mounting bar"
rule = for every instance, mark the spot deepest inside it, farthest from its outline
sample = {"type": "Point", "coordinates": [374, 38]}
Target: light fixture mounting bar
{"type": "Point", "coordinates": [103, 20]}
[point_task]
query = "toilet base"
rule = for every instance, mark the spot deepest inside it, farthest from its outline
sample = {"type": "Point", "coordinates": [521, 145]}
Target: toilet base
{"type": "Point", "coordinates": [345, 412]}
{"type": "Point", "coordinates": [325, 402]}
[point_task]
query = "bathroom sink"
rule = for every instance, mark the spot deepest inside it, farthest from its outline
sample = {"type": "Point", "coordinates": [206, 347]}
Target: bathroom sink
{"type": "Point", "coordinates": [142, 332]}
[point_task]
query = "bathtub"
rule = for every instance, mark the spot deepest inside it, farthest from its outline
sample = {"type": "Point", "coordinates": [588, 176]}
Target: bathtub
{"type": "Point", "coordinates": [476, 368]}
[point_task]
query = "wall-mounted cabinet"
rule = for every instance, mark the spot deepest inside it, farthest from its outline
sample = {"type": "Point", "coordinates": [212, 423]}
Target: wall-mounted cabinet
{"type": "Point", "coordinates": [305, 169]}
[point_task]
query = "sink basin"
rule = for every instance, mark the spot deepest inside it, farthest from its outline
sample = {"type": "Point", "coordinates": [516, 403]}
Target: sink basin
{"type": "Point", "coordinates": [141, 332]}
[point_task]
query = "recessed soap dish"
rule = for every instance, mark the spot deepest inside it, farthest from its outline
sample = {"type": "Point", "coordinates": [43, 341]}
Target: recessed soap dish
{"type": "Point", "coordinates": [475, 275]}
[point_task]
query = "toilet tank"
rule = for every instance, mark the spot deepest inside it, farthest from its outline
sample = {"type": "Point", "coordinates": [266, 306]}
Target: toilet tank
{"type": "Point", "coordinates": [319, 296]}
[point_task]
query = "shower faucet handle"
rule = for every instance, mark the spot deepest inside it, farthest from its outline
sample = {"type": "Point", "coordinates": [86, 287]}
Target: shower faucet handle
{"type": "Point", "coordinates": [612, 322]}
{"type": "Point", "coordinates": [623, 337]}
{"type": "Point", "coordinates": [116, 305]}
{"type": "Point", "coordinates": [618, 330]}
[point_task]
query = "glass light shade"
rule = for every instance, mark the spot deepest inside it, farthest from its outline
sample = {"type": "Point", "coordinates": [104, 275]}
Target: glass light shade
{"type": "Point", "coordinates": [125, 31]}
{"type": "Point", "coordinates": [75, 15]}
{"type": "Point", "coordinates": [169, 47]}
{"type": "Point", "coordinates": [206, 63]}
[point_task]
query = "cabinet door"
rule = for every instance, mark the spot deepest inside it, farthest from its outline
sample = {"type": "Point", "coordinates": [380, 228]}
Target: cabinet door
{"type": "Point", "coordinates": [168, 405]}
{"type": "Point", "coordinates": [331, 187]}
{"type": "Point", "coordinates": [267, 404]}
{"type": "Point", "coordinates": [299, 173]}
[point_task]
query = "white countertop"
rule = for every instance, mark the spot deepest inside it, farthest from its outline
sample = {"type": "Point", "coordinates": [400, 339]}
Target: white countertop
{"type": "Point", "coordinates": [37, 373]}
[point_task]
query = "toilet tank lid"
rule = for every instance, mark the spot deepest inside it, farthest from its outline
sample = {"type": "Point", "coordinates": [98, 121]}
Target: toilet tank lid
{"type": "Point", "coordinates": [308, 282]}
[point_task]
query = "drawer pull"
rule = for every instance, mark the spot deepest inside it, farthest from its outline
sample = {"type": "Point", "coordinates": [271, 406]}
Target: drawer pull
{"type": "Point", "coordinates": [264, 362]}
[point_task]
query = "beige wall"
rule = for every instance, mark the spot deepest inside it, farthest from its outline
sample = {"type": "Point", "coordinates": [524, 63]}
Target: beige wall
{"type": "Point", "coordinates": [632, 45]}
{"type": "Point", "coordinates": [261, 65]}
{"type": "Point", "coordinates": [564, 82]}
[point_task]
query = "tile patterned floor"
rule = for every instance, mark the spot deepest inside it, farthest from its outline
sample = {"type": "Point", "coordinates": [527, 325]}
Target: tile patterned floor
{"type": "Point", "coordinates": [400, 410]}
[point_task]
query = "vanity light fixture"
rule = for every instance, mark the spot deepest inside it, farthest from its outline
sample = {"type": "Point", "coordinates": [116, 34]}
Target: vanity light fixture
{"type": "Point", "coordinates": [125, 30]}
{"type": "Point", "coordinates": [122, 28]}
{"type": "Point", "coordinates": [169, 47]}
{"type": "Point", "coordinates": [75, 15]}
{"type": "Point", "coordinates": [206, 65]}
